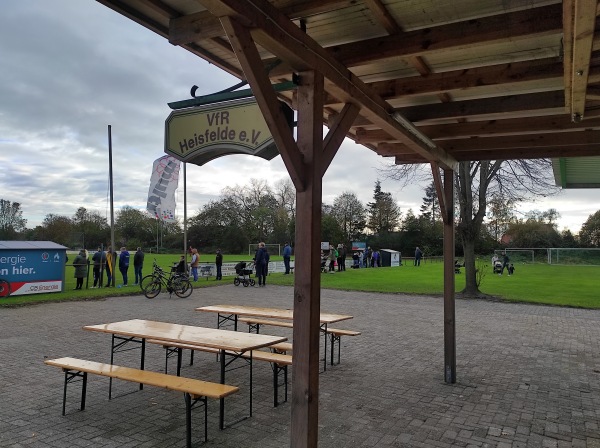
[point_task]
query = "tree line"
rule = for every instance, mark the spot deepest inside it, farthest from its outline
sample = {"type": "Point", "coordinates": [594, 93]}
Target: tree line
{"type": "Point", "coordinates": [247, 214]}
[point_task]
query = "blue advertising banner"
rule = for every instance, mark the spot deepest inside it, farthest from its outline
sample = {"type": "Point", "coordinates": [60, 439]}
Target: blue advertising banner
{"type": "Point", "coordinates": [33, 270]}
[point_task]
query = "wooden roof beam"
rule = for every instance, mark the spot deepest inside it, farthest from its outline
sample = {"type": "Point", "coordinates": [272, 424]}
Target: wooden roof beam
{"type": "Point", "coordinates": [550, 71]}
{"type": "Point", "coordinates": [548, 152]}
{"type": "Point", "coordinates": [569, 139]}
{"type": "Point", "coordinates": [204, 25]}
{"type": "Point", "coordinates": [383, 16]}
{"type": "Point", "coordinates": [512, 126]}
{"type": "Point", "coordinates": [579, 23]}
{"type": "Point", "coordinates": [522, 105]}
{"type": "Point", "coordinates": [468, 34]}
{"type": "Point", "coordinates": [511, 154]}
{"type": "Point", "coordinates": [265, 95]}
{"type": "Point", "coordinates": [274, 32]}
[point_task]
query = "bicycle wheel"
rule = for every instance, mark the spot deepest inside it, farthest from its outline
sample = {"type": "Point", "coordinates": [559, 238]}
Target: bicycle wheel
{"type": "Point", "coordinates": [183, 288]}
{"type": "Point", "coordinates": [146, 281]}
{"type": "Point", "coordinates": [4, 288]}
{"type": "Point", "coordinates": [153, 289]}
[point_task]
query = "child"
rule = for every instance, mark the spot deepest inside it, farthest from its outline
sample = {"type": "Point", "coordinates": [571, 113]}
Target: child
{"type": "Point", "coordinates": [181, 268]}
{"type": "Point", "coordinates": [511, 269]}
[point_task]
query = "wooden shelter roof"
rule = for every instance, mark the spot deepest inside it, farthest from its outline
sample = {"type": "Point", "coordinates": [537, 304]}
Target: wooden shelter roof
{"type": "Point", "coordinates": [435, 80]}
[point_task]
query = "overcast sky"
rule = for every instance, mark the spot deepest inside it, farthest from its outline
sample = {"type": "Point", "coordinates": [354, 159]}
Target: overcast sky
{"type": "Point", "coordinates": [70, 68]}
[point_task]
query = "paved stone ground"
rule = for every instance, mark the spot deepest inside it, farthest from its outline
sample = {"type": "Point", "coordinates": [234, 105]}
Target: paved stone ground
{"type": "Point", "coordinates": [528, 376]}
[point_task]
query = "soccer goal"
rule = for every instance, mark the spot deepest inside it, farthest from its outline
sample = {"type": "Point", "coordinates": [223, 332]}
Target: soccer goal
{"type": "Point", "coordinates": [573, 255]}
{"type": "Point", "coordinates": [273, 249]}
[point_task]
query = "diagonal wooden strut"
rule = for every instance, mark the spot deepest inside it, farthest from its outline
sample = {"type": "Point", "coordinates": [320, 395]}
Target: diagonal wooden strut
{"type": "Point", "coordinates": [247, 54]}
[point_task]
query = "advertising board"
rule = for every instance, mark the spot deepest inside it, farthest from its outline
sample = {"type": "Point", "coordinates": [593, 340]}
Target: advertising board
{"type": "Point", "coordinates": [32, 267]}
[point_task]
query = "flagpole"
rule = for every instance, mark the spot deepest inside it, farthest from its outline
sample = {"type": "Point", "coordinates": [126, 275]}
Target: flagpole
{"type": "Point", "coordinates": [185, 211]}
{"type": "Point", "coordinates": [112, 210]}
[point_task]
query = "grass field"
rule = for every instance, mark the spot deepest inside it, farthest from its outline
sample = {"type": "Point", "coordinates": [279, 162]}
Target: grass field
{"type": "Point", "coordinates": [575, 286]}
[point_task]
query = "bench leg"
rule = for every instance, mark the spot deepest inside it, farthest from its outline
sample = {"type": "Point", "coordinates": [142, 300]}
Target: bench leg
{"type": "Point", "coordinates": [255, 327]}
{"type": "Point", "coordinates": [335, 339]}
{"type": "Point", "coordinates": [69, 377]}
{"type": "Point", "coordinates": [189, 405]}
{"type": "Point", "coordinates": [277, 370]}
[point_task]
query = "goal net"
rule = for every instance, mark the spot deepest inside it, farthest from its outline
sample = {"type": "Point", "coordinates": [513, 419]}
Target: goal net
{"type": "Point", "coordinates": [273, 249]}
{"type": "Point", "coordinates": [578, 256]}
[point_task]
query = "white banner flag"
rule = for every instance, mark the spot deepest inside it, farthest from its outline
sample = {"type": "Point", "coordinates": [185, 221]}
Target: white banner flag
{"type": "Point", "coordinates": [163, 183]}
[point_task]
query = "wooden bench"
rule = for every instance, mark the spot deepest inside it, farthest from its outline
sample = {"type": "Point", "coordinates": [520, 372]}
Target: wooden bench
{"type": "Point", "coordinates": [279, 361]}
{"type": "Point", "coordinates": [195, 391]}
{"type": "Point", "coordinates": [334, 334]}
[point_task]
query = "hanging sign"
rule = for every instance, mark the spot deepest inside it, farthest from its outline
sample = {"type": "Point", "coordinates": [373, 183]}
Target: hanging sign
{"type": "Point", "coordinates": [200, 134]}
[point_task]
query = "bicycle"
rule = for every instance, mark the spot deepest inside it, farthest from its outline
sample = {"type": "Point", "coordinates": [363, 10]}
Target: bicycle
{"type": "Point", "coordinates": [4, 288]}
{"type": "Point", "coordinates": [177, 283]}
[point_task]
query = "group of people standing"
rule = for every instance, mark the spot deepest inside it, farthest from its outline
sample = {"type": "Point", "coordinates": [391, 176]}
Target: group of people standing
{"type": "Point", "coordinates": [371, 258]}
{"type": "Point", "coordinates": [195, 262]}
{"type": "Point", "coordinates": [104, 262]}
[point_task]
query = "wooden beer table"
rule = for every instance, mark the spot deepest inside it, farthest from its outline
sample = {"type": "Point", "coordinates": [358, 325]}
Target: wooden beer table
{"type": "Point", "coordinates": [231, 344]}
{"type": "Point", "coordinates": [228, 314]}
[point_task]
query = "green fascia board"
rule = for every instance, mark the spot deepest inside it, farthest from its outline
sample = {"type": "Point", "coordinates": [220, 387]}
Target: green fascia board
{"type": "Point", "coordinates": [226, 96]}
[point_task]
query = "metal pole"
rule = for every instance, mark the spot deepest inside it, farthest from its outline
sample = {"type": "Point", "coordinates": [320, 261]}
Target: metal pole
{"type": "Point", "coordinates": [112, 210]}
{"type": "Point", "coordinates": [185, 211]}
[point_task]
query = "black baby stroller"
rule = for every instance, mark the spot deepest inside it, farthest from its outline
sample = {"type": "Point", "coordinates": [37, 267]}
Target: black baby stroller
{"type": "Point", "coordinates": [243, 271]}
{"type": "Point", "coordinates": [497, 267]}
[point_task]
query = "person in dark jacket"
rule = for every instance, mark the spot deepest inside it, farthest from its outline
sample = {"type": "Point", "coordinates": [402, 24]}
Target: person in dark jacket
{"type": "Point", "coordinates": [219, 264]}
{"type": "Point", "coordinates": [138, 264]}
{"type": "Point", "coordinates": [261, 260]}
{"type": "Point", "coordinates": [80, 263]}
{"type": "Point", "coordinates": [418, 256]}
{"type": "Point", "coordinates": [287, 256]}
{"type": "Point", "coordinates": [124, 264]}
{"type": "Point", "coordinates": [99, 259]}
{"type": "Point", "coordinates": [182, 266]}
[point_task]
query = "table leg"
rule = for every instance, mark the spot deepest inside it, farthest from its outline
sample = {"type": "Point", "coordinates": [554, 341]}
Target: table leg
{"type": "Point", "coordinates": [112, 357]}
{"type": "Point", "coordinates": [222, 400]}
{"type": "Point", "coordinates": [324, 329]}
{"type": "Point", "coordinates": [143, 358]}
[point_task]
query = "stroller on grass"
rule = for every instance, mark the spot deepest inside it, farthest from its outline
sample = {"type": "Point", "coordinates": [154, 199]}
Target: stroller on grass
{"type": "Point", "coordinates": [243, 271]}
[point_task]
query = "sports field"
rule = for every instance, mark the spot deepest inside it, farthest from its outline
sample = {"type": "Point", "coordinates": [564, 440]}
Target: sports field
{"type": "Point", "coordinates": [575, 286]}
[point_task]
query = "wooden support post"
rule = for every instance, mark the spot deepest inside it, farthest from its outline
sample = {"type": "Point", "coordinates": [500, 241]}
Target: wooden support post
{"type": "Point", "coordinates": [449, 305]}
{"type": "Point", "coordinates": [307, 290]}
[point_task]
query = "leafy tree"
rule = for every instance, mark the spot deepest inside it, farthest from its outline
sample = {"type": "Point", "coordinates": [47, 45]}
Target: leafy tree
{"type": "Point", "coordinates": [134, 227]}
{"type": "Point", "coordinates": [549, 216]}
{"type": "Point", "coordinates": [500, 216]}
{"type": "Point", "coordinates": [589, 235]}
{"type": "Point", "coordinates": [568, 239]}
{"type": "Point", "coordinates": [330, 227]}
{"type": "Point", "coordinates": [217, 225]}
{"type": "Point", "coordinates": [533, 233]}
{"type": "Point", "coordinates": [92, 227]}
{"type": "Point", "coordinates": [430, 207]}
{"type": "Point", "coordinates": [383, 213]}
{"type": "Point", "coordinates": [11, 220]}
{"type": "Point", "coordinates": [255, 206]}
{"type": "Point", "coordinates": [285, 224]}
{"type": "Point", "coordinates": [57, 228]}
{"type": "Point", "coordinates": [350, 215]}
